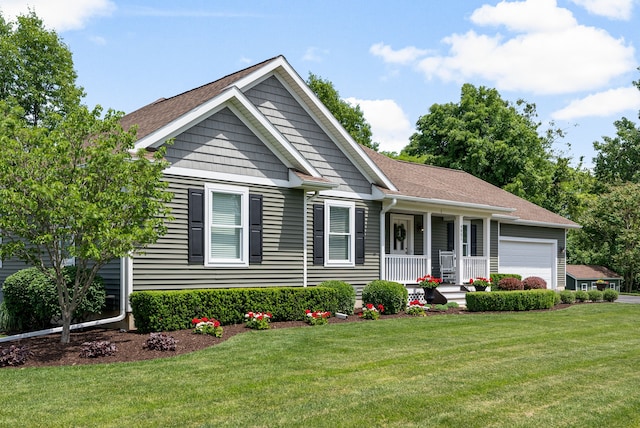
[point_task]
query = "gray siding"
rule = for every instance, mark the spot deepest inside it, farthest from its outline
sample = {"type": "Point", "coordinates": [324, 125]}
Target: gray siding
{"type": "Point", "coordinates": [438, 242]}
{"type": "Point", "coordinates": [493, 259]}
{"type": "Point", "coordinates": [165, 264]}
{"type": "Point", "coordinates": [284, 112]}
{"type": "Point", "coordinates": [359, 275]}
{"type": "Point", "coordinates": [110, 274]}
{"type": "Point", "coordinates": [541, 233]}
{"type": "Point", "coordinates": [222, 143]}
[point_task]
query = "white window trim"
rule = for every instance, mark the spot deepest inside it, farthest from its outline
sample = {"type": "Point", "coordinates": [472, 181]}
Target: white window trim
{"type": "Point", "coordinates": [352, 238]}
{"type": "Point", "coordinates": [243, 261]}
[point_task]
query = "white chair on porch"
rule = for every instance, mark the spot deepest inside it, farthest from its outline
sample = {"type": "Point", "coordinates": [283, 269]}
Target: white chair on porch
{"type": "Point", "coordinates": [448, 266]}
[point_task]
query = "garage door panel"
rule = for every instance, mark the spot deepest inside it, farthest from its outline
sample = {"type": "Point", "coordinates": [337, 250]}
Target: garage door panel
{"type": "Point", "coordinates": [527, 258]}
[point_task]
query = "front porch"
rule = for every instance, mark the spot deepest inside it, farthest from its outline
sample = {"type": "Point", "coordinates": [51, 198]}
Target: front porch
{"type": "Point", "coordinates": [414, 242]}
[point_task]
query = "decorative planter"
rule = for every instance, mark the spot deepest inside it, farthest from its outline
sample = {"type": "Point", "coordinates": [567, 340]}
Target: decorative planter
{"type": "Point", "coordinates": [429, 294]}
{"type": "Point", "coordinates": [480, 287]}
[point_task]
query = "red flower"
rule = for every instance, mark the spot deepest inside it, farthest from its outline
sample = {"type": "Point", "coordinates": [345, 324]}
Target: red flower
{"type": "Point", "coordinates": [205, 319]}
{"type": "Point", "coordinates": [195, 321]}
{"type": "Point", "coordinates": [216, 323]}
{"type": "Point", "coordinates": [381, 308]}
{"type": "Point", "coordinates": [307, 311]}
{"type": "Point", "coordinates": [369, 306]}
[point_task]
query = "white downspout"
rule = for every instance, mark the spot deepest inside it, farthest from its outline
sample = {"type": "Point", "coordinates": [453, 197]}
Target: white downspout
{"type": "Point", "coordinates": [383, 237]}
{"type": "Point", "coordinates": [125, 273]}
{"type": "Point", "coordinates": [305, 229]}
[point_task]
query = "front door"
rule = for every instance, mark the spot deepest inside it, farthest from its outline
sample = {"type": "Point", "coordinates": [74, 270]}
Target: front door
{"type": "Point", "coordinates": [401, 235]}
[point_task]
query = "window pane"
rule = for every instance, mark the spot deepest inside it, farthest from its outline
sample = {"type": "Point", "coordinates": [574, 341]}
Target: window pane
{"type": "Point", "coordinates": [338, 220]}
{"type": "Point", "coordinates": [226, 209]}
{"type": "Point", "coordinates": [339, 247]}
{"type": "Point", "coordinates": [225, 242]}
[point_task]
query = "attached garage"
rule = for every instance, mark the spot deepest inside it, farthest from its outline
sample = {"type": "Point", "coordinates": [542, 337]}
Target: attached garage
{"type": "Point", "coordinates": [529, 257]}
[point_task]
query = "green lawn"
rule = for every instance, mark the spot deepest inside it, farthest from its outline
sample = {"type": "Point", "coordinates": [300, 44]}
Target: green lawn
{"type": "Point", "coordinates": [573, 367]}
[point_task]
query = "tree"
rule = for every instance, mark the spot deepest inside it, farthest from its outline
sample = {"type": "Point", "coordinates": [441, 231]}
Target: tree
{"type": "Point", "coordinates": [36, 70]}
{"type": "Point", "coordinates": [611, 231]}
{"type": "Point", "coordinates": [618, 158]}
{"type": "Point", "coordinates": [488, 137]}
{"type": "Point", "coordinates": [76, 191]}
{"type": "Point", "coordinates": [69, 183]}
{"type": "Point", "coordinates": [350, 117]}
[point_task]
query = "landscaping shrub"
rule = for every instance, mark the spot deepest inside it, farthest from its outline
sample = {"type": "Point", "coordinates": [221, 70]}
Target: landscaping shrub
{"type": "Point", "coordinates": [392, 295]}
{"type": "Point", "coordinates": [610, 295]}
{"type": "Point", "coordinates": [595, 295]}
{"type": "Point", "coordinates": [510, 300]}
{"type": "Point", "coordinates": [534, 283]}
{"type": "Point", "coordinates": [496, 277]}
{"type": "Point", "coordinates": [174, 310]}
{"type": "Point", "coordinates": [453, 305]}
{"type": "Point", "coordinates": [160, 342]}
{"type": "Point", "coordinates": [31, 298]}
{"type": "Point", "coordinates": [567, 296]}
{"type": "Point", "coordinates": [98, 348]}
{"type": "Point", "coordinates": [581, 296]}
{"type": "Point", "coordinates": [346, 298]}
{"type": "Point", "coordinates": [14, 355]}
{"type": "Point", "coordinates": [509, 284]}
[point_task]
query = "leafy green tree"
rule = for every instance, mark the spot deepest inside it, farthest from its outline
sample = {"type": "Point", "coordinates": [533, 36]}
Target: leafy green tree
{"type": "Point", "coordinates": [36, 70]}
{"type": "Point", "coordinates": [618, 158]}
{"type": "Point", "coordinates": [611, 232]}
{"type": "Point", "coordinates": [350, 117]}
{"type": "Point", "coordinates": [488, 137]}
{"type": "Point", "coordinates": [76, 191]}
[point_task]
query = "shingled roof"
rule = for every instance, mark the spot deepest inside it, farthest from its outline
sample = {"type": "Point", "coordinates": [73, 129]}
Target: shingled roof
{"type": "Point", "coordinates": [591, 272]}
{"type": "Point", "coordinates": [157, 114]}
{"type": "Point", "coordinates": [442, 184]}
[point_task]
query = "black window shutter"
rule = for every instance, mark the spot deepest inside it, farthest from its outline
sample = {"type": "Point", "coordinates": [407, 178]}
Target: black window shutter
{"type": "Point", "coordinates": [255, 228]}
{"type": "Point", "coordinates": [474, 239]}
{"type": "Point", "coordinates": [318, 234]}
{"type": "Point", "coordinates": [359, 236]}
{"type": "Point", "coordinates": [450, 237]}
{"type": "Point", "coordinates": [196, 226]}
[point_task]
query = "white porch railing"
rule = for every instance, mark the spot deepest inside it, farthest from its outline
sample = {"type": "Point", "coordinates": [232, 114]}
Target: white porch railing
{"type": "Point", "coordinates": [473, 267]}
{"type": "Point", "coordinates": [405, 269]}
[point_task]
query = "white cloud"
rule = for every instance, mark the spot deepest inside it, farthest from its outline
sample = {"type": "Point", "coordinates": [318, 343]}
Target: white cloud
{"type": "Point", "coordinates": [98, 40]}
{"type": "Point", "coordinates": [603, 104]}
{"type": "Point", "coordinates": [61, 15]}
{"type": "Point", "coordinates": [389, 124]}
{"type": "Point", "coordinates": [614, 9]}
{"type": "Point", "coordinates": [403, 56]}
{"type": "Point", "coordinates": [315, 54]}
{"type": "Point", "coordinates": [545, 51]}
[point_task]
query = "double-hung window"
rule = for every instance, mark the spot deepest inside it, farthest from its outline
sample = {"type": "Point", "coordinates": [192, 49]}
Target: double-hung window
{"type": "Point", "coordinates": [227, 220]}
{"type": "Point", "coordinates": [340, 236]}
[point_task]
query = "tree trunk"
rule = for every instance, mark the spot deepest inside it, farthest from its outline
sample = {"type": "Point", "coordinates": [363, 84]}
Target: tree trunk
{"type": "Point", "coordinates": [66, 327]}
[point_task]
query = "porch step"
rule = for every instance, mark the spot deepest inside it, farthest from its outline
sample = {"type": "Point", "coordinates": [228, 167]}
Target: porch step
{"type": "Point", "coordinates": [450, 291]}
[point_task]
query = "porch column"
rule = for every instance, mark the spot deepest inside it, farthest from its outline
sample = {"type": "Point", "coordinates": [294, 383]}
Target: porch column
{"type": "Point", "coordinates": [458, 221]}
{"type": "Point", "coordinates": [426, 242]}
{"type": "Point", "coordinates": [487, 245]}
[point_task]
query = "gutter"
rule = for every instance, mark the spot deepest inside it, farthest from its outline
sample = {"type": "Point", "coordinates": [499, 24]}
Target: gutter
{"type": "Point", "coordinates": [305, 229]}
{"type": "Point", "coordinates": [125, 283]}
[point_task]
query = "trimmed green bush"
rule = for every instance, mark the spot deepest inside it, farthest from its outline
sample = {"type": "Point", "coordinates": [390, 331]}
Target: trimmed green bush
{"type": "Point", "coordinates": [509, 284]}
{"type": "Point", "coordinates": [534, 283]}
{"type": "Point", "coordinates": [346, 298]}
{"type": "Point", "coordinates": [510, 300]}
{"type": "Point", "coordinates": [496, 277]}
{"type": "Point", "coordinates": [581, 296]}
{"type": "Point", "coordinates": [610, 295]}
{"type": "Point", "coordinates": [567, 296]}
{"type": "Point", "coordinates": [392, 295]}
{"type": "Point", "coordinates": [155, 311]}
{"type": "Point", "coordinates": [595, 295]}
{"type": "Point", "coordinates": [31, 299]}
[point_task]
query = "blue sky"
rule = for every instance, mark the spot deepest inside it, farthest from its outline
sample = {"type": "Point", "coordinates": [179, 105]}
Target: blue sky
{"type": "Point", "coordinates": [575, 59]}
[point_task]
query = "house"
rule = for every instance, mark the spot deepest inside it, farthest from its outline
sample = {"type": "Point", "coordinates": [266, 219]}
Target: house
{"type": "Point", "coordinates": [270, 190]}
{"type": "Point", "coordinates": [584, 277]}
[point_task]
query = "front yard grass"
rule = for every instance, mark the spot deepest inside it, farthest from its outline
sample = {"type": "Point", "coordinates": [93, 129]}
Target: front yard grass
{"type": "Point", "coordinates": [573, 367]}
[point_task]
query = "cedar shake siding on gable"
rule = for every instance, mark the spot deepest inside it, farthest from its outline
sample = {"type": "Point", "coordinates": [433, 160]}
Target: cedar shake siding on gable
{"type": "Point", "coordinates": [292, 121]}
{"type": "Point", "coordinates": [165, 265]}
{"type": "Point", "coordinates": [223, 143]}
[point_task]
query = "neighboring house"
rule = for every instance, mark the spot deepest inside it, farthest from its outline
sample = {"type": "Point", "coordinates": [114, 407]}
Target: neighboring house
{"type": "Point", "coordinates": [585, 277]}
{"type": "Point", "coordinates": [270, 190]}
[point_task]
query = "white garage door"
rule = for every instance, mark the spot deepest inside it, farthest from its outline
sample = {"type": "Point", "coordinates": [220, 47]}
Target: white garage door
{"type": "Point", "coordinates": [528, 258]}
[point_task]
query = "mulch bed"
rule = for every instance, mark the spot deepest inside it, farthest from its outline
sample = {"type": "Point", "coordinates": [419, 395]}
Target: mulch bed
{"type": "Point", "coordinates": [48, 351]}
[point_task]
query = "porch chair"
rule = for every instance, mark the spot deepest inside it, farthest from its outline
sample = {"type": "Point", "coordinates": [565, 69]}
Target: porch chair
{"type": "Point", "coordinates": [447, 266]}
